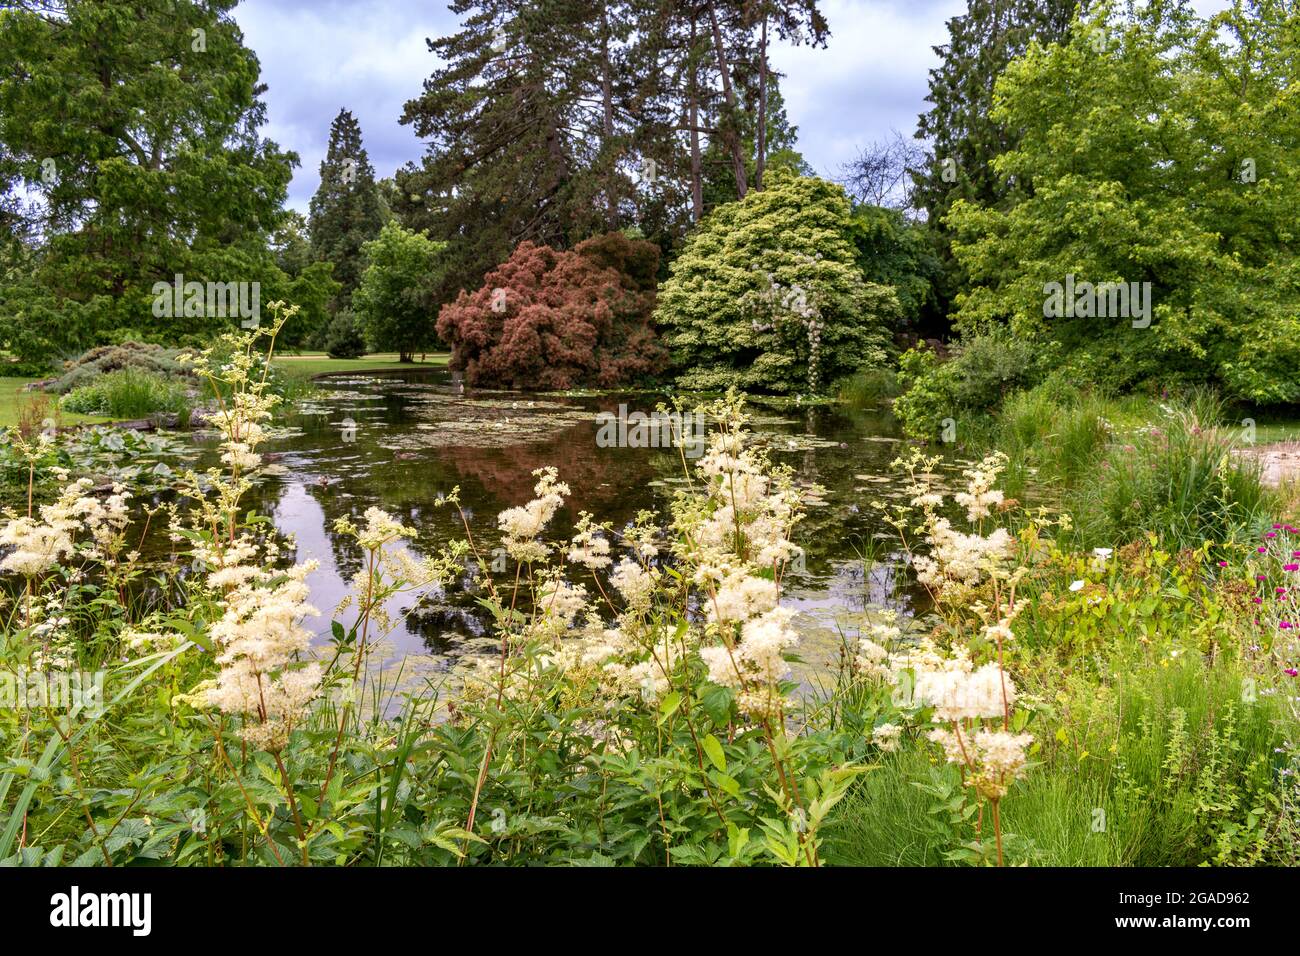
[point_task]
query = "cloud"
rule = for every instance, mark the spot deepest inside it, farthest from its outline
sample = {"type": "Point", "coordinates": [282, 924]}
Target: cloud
{"type": "Point", "coordinates": [370, 56]}
{"type": "Point", "coordinates": [871, 78]}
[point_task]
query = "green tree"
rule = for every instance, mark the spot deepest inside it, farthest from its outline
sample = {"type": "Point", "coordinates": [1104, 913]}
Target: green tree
{"type": "Point", "coordinates": [525, 125]}
{"type": "Point", "coordinates": [1158, 150]}
{"type": "Point", "coordinates": [767, 294]}
{"type": "Point", "coordinates": [394, 304]}
{"type": "Point", "coordinates": [345, 212]}
{"type": "Point", "coordinates": [892, 251]}
{"type": "Point", "coordinates": [135, 125]}
{"type": "Point", "coordinates": [963, 136]}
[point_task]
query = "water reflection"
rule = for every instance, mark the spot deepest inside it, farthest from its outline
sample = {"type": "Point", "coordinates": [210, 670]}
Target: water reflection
{"type": "Point", "coordinates": [396, 441]}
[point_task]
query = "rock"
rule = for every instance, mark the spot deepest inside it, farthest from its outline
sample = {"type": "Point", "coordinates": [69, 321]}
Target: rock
{"type": "Point", "coordinates": [137, 425]}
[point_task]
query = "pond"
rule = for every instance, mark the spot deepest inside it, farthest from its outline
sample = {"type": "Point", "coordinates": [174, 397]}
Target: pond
{"type": "Point", "coordinates": [396, 441]}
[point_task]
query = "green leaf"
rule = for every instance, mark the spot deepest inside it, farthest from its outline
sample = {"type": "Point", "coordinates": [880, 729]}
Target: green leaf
{"type": "Point", "coordinates": [669, 706]}
{"type": "Point", "coordinates": [715, 753]}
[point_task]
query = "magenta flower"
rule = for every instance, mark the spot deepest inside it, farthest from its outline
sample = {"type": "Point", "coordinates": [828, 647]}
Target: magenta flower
{"type": "Point", "coordinates": [1291, 567]}
{"type": "Point", "coordinates": [1291, 672]}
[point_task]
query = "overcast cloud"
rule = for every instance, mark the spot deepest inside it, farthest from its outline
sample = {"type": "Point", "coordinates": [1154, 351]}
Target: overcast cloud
{"type": "Point", "coordinates": [370, 56]}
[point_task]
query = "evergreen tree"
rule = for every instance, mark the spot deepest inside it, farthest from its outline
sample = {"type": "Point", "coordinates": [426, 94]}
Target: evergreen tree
{"type": "Point", "coordinates": [346, 212]}
{"type": "Point", "coordinates": [554, 121]}
{"type": "Point", "coordinates": [523, 125]}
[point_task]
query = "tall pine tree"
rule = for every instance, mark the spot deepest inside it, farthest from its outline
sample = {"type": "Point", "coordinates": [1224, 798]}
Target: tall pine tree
{"type": "Point", "coordinates": [345, 212]}
{"type": "Point", "coordinates": [518, 132]}
{"type": "Point", "coordinates": [552, 121]}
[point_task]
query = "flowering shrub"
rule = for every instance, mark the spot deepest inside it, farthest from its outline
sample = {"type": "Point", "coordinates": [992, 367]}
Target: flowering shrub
{"type": "Point", "coordinates": [766, 294]}
{"type": "Point", "coordinates": [550, 319]}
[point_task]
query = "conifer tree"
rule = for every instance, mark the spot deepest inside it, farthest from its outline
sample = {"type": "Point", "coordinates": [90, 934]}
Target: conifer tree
{"type": "Point", "coordinates": [345, 212]}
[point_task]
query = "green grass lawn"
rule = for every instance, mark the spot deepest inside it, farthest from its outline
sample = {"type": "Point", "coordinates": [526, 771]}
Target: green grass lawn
{"type": "Point", "coordinates": [12, 399]}
{"type": "Point", "coordinates": [301, 367]}
{"type": "Point", "coordinates": [311, 364]}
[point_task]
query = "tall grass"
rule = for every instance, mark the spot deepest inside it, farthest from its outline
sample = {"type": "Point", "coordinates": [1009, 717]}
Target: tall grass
{"type": "Point", "coordinates": [1162, 767]}
{"type": "Point", "coordinates": [1180, 480]}
{"type": "Point", "coordinates": [1122, 472]}
{"type": "Point", "coordinates": [129, 393]}
{"type": "Point", "coordinates": [868, 388]}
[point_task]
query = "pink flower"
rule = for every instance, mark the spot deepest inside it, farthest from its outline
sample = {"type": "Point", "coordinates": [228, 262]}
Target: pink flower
{"type": "Point", "coordinates": [1223, 564]}
{"type": "Point", "coordinates": [1291, 672]}
{"type": "Point", "coordinates": [1291, 567]}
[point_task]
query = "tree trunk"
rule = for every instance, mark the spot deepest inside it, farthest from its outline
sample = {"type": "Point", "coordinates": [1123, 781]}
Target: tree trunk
{"type": "Point", "coordinates": [697, 175]}
{"type": "Point", "coordinates": [760, 161]}
{"type": "Point", "coordinates": [607, 101]}
{"type": "Point", "coordinates": [733, 141]}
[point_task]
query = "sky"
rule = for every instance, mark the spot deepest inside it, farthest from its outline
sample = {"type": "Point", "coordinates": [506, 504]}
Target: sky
{"type": "Point", "coordinates": [369, 56]}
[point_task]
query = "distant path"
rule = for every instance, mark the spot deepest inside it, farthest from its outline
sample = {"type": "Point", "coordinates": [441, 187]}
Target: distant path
{"type": "Point", "coordinates": [1279, 461]}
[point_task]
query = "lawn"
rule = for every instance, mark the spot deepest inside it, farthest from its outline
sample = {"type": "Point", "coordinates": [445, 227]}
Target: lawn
{"type": "Point", "coordinates": [12, 399]}
{"type": "Point", "coordinates": [312, 364]}
{"type": "Point", "coordinates": [304, 366]}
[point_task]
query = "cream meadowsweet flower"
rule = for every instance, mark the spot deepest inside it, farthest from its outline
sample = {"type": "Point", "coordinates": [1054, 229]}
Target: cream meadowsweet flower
{"type": "Point", "coordinates": [258, 640]}
{"type": "Point", "coordinates": [635, 584]}
{"type": "Point", "coordinates": [887, 737]}
{"type": "Point", "coordinates": [960, 692]}
{"type": "Point", "coordinates": [41, 545]}
{"type": "Point", "coordinates": [742, 596]}
{"type": "Point", "coordinates": [1000, 632]}
{"type": "Point", "coordinates": [37, 547]}
{"type": "Point", "coordinates": [994, 758]}
{"type": "Point", "coordinates": [521, 526]}
{"type": "Point", "coordinates": [871, 658]}
{"type": "Point", "coordinates": [756, 663]}
{"type": "Point", "coordinates": [980, 496]}
{"type": "Point", "coordinates": [589, 548]}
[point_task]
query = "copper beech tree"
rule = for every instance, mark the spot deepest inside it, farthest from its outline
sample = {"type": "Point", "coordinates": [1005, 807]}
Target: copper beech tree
{"type": "Point", "coordinates": [559, 319]}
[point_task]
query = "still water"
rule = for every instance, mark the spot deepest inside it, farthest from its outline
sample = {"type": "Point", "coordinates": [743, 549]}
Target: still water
{"type": "Point", "coordinates": [396, 441]}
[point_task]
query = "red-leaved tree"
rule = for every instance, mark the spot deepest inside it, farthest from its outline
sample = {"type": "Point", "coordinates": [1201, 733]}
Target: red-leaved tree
{"type": "Point", "coordinates": [547, 319]}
